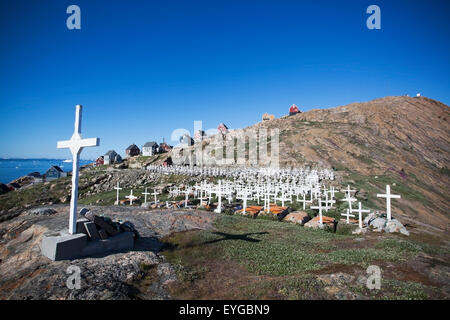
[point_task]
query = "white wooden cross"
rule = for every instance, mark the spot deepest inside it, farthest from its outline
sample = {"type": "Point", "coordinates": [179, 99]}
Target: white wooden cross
{"type": "Point", "coordinates": [131, 197]}
{"type": "Point", "coordinates": [155, 194]}
{"type": "Point", "coordinates": [219, 196]}
{"type": "Point", "coordinates": [360, 212]}
{"type": "Point", "coordinates": [244, 196]}
{"type": "Point", "coordinates": [118, 188]}
{"type": "Point", "coordinates": [201, 193]}
{"type": "Point", "coordinates": [348, 215]}
{"type": "Point", "coordinates": [186, 192]}
{"type": "Point", "coordinates": [76, 145]}
{"type": "Point", "coordinates": [388, 197]}
{"type": "Point", "coordinates": [145, 195]}
{"type": "Point", "coordinates": [348, 197]}
{"type": "Point", "coordinates": [304, 201]}
{"type": "Point", "coordinates": [320, 210]}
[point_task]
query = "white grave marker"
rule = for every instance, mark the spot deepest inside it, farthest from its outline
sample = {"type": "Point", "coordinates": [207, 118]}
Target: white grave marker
{"type": "Point", "coordinates": [348, 215]}
{"type": "Point", "coordinates": [131, 197]}
{"type": "Point", "coordinates": [320, 210]}
{"type": "Point", "coordinates": [388, 197]}
{"type": "Point", "coordinates": [118, 188]}
{"type": "Point", "coordinates": [155, 194]}
{"type": "Point", "coordinates": [76, 145]}
{"type": "Point", "coordinates": [360, 212]}
{"type": "Point", "coordinates": [145, 195]}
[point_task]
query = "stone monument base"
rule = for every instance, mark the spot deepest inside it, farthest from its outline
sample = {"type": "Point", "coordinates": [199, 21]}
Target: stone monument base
{"type": "Point", "coordinates": [73, 246]}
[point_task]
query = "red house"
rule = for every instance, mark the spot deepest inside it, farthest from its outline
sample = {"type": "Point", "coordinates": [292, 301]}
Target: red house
{"type": "Point", "coordinates": [100, 161]}
{"type": "Point", "coordinates": [165, 147]}
{"type": "Point", "coordinates": [167, 162]}
{"type": "Point", "coordinates": [293, 110]}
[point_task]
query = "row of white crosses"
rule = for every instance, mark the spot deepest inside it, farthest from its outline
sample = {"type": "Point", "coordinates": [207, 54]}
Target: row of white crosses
{"type": "Point", "coordinates": [242, 193]}
{"type": "Point", "coordinates": [240, 172]}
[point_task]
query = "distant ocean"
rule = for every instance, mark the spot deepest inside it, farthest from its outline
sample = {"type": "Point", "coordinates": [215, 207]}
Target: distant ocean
{"type": "Point", "coordinates": [11, 169]}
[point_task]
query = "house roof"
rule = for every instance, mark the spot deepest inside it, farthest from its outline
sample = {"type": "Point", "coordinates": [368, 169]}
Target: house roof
{"type": "Point", "coordinates": [110, 152]}
{"type": "Point", "coordinates": [132, 147]}
{"type": "Point", "coordinates": [293, 108]}
{"type": "Point", "coordinates": [149, 144]}
{"type": "Point", "coordinates": [56, 167]}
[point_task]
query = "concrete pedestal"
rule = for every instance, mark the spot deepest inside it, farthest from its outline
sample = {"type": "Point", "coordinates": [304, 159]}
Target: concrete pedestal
{"type": "Point", "coordinates": [75, 246]}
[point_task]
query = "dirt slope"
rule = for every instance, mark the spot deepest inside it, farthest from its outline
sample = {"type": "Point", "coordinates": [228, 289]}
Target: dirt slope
{"type": "Point", "coordinates": [405, 140]}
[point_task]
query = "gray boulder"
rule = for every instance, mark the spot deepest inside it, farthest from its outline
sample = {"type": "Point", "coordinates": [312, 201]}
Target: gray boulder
{"type": "Point", "coordinates": [396, 226]}
{"type": "Point", "coordinates": [378, 223]}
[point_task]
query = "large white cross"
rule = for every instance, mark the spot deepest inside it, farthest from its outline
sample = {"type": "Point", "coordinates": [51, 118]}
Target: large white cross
{"type": "Point", "coordinates": [118, 188]}
{"type": "Point", "coordinates": [388, 197]}
{"type": "Point", "coordinates": [76, 145]}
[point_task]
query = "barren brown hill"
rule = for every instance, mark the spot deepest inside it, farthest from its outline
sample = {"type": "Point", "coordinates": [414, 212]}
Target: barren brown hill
{"type": "Point", "coordinates": [401, 140]}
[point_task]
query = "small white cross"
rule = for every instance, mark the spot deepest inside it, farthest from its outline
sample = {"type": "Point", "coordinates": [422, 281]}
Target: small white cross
{"type": "Point", "coordinates": [76, 145]}
{"type": "Point", "coordinates": [145, 195]}
{"type": "Point", "coordinates": [118, 188]}
{"type": "Point", "coordinates": [348, 215]}
{"type": "Point", "coordinates": [320, 210]}
{"type": "Point", "coordinates": [155, 194]}
{"type": "Point", "coordinates": [360, 212]}
{"type": "Point", "coordinates": [388, 197]}
{"type": "Point", "coordinates": [219, 196]}
{"type": "Point", "coordinates": [131, 197]}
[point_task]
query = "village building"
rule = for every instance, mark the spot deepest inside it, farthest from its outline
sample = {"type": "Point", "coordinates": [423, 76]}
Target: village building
{"type": "Point", "coordinates": [199, 135]}
{"type": "Point", "coordinates": [167, 162]}
{"type": "Point", "coordinates": [267, 117]}
{"type": "Point", "coordinates": [54, 172]}
{"type": "Point", "coordinates": [164, 147]}
{"type": "Point", "coordinates": [186, 140]}
{"type": "Point", "coordinates": [150, 148]}
{"type": "Point", "coordinates": [293, 110]}
{"type": "Point", "coordinates": [222, 128]}
{"type": "Point", "coordinates": [100, 161]}
{"type": "Point", "coordinates": [111, 157]}
{"type": "Point", "coordinates": [132, 150]}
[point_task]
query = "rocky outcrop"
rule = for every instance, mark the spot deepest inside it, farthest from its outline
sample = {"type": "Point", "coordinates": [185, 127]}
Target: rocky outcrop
{"type": "Point", "coordinates": [26, 274]}
{"type": "Point", "coordinates": [4, 188]}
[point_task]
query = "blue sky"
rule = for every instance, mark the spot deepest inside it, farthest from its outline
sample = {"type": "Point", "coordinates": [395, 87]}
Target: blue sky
{"type": "Point", "coordinates": [144, 68]}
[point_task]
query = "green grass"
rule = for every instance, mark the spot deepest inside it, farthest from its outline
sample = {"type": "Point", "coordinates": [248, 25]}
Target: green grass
{"type": "Point", "coordinates": [267, 247]}
{"type": "Point", "coordinates": [286, 258]}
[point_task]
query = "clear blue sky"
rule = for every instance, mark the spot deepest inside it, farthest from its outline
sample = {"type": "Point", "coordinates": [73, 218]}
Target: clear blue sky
{"type": "Point", "coordinates": [144, 68]}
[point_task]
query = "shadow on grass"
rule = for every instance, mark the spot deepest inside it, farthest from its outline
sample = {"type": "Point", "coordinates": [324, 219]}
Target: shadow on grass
{"type": "Point", "coordinates": [228, 236]}
{"type": "Point", "coordinates": [168, 246]}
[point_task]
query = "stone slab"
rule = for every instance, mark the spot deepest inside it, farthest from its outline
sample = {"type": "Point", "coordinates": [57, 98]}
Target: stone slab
{"type": "Point", "coordinates": [64, 247]}
{"type": "Point", "coordinates": [105, 226]}
{"type": "Point", "coordinates": [80, 225]}
{"type": "Point", "coordinates": [91, 230]}
{"type": "Point", "coordinates": [121, 242]}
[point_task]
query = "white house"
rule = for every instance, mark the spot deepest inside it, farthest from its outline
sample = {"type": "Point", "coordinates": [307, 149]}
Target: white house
{"type": "Point", "coordinates": [150, 148]}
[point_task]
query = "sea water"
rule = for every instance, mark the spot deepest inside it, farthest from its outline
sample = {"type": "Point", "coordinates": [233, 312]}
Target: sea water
{"type": "Point", "coordinates": [11, 169]}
